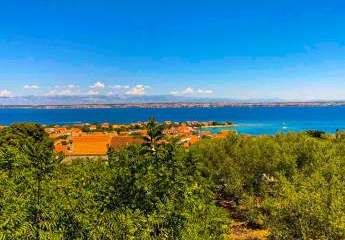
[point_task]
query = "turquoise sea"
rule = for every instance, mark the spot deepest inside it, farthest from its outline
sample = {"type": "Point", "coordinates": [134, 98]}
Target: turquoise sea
{"type": "Point", "coordinates": [249, 120]}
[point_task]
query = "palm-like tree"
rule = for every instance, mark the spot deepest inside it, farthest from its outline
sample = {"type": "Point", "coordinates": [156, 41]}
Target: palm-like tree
{"type": "Point", "coordinates": [154, 134]}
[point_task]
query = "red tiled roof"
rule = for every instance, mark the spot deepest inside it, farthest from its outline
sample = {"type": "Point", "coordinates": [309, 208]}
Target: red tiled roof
{"type": "Point", "coordinates": [90, 145]}
{"type": "Point", "coordinates": [122, 141]}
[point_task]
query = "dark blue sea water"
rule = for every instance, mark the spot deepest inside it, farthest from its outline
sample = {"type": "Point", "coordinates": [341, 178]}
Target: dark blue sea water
{"type": "Point", "coordinates": [249, 120]}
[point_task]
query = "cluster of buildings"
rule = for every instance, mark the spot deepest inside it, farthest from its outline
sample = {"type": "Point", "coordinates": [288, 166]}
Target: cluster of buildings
{"type": "Point", "coordinates": [73, 142]}
{"type": "Point", "coordinates": [95, 140]}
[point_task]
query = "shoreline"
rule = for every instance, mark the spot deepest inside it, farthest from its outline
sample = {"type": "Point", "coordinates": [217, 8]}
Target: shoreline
{"type": "Point", "coordinates": [220, 126]}
{"type": "Point", "coordinates": [174, 105]}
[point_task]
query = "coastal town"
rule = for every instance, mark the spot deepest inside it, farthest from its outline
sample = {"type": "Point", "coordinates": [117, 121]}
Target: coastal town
{"type": "Point", "coordinates": [94, 140]}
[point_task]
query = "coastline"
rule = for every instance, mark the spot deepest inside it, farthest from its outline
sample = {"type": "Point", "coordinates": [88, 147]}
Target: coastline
{"type": "Point", "coordinates": [221, 126]}
{"type": "Point", "coordinates": [175, 105]}
{"type": "Point", "coordinates": [245, 120]}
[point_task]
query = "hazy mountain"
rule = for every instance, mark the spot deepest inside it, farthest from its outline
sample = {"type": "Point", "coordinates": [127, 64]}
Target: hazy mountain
{"type": "Point", "coordinates": [101, 99]}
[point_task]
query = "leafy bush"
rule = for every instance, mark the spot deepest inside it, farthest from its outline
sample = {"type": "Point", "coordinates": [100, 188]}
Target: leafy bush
{"type": "Point", "coordinates": [153, 191]}
{"type": "Point", "coordinates": [292, 183]}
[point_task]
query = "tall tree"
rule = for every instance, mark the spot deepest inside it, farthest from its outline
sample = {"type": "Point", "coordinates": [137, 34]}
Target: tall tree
{"type": "Point", "coordinates": [154, 134]}
{"type": "Point", "coordinates": [26, 154]}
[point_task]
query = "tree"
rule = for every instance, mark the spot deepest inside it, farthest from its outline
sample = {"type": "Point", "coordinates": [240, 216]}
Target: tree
{"type": "Point", "coordinates": [164, 191]}
{"type": "Point", "coordinates": [26, 155]}
{"type": "Point", "coordinates": [154, 134]}
{"type": "Point", "coordinates": [137, 194]}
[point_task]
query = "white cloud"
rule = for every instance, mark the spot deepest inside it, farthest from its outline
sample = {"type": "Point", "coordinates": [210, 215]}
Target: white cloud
{"type": "Point", "coordinates": [126, 89]}
{"type": "Point", "coordinates": [190, 91]}
{"type": "Point", "coordinates": [206, 91]}
{"type": "Point", "coordinates": [137, 90]}
{"type": "Point", "coordinates": [68, 90]}
{"type": "Point", "coordinates": [27, 86]}
{"type": "Point", "coordinates": [96, 88]}
{"type": "Point", "coordinates": [119, 87]}
{"type": "Point", "coordinates": [5, 93]}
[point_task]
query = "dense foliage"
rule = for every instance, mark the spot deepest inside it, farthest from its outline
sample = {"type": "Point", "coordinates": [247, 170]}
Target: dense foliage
{"type": "Point", "coordinates": [153, 191]}
{"type": "Point", "coordinates": [292, 183]}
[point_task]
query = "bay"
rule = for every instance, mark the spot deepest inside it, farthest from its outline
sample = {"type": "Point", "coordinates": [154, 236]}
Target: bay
{"type": "Point", "coordinates": [248, 120]}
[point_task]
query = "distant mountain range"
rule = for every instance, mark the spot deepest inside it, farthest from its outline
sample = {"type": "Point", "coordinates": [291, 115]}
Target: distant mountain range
{"type": "Point", "coordinates": [102, 99]}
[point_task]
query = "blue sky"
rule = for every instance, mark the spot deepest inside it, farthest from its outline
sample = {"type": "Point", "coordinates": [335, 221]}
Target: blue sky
{"type": "Point", "coordinates": [235, 49]}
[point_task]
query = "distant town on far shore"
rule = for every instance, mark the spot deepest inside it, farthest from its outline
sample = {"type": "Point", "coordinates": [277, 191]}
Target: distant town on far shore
{"type": "Point", "coordinates": [180, 104]}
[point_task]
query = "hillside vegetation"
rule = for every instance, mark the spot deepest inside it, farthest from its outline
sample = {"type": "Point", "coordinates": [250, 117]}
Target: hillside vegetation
{"type": "Point", "coordinates": [292, 184]}
{"type": "Point", "coordinates": [288, 185]}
